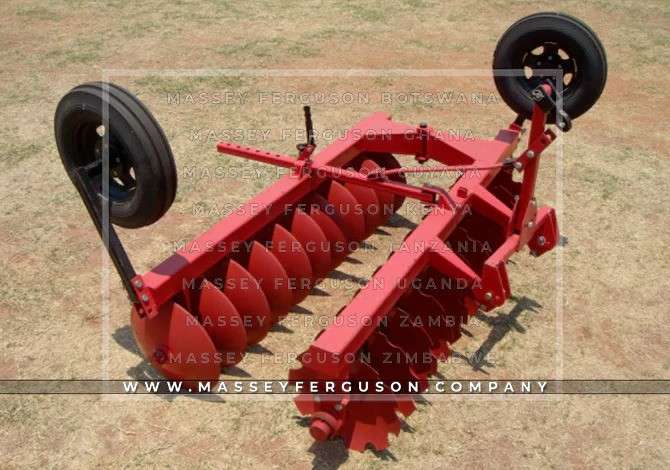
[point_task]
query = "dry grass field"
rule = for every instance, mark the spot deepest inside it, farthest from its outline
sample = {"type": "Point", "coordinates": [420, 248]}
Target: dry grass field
{"type": "Point", "coordinates": [596, 307]}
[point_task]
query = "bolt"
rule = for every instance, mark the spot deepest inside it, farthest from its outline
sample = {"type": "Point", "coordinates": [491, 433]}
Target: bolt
{"type": "Point", "coordinates": [561, 124]}
{"type": "Point", "coordinates": [160, 355]}
{"type": "Point", "coordinates": [320, 429]}
{"type": "Point", "coordinates": [338, 407]}
{"type": "Point", "coordinates": [530, 154]}
{"type": "Point", "coordinates": [138, 283]}
{"type": "Point", "coordinates": [533, 202]}
{"type": "Point", "coordinates": [145, 298]}
{"type": "Point", "coordinates": [100, 130]}
{"type": "Point", "coordinates": [488, 296]}
{"type": "Point", "coordinates": [530, 224]}
{"type": "Point", "coordinates": [517, 165]}
{"type": "Point", "coordinates": [516, 197]}
{"type": "Point", "coordinates": [423, 125]}
{"type": "Point", "coordinates": [541, 240]}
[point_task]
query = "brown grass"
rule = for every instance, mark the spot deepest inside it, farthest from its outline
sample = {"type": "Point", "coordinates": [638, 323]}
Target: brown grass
{"type": "Point", "coordinates": [615, 213]}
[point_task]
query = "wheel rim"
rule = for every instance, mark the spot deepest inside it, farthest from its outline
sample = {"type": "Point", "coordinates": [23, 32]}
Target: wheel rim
{"type": "Point", "coordinates": [90, 143]}
{"type": "Point", "coordinates": [549, 55]}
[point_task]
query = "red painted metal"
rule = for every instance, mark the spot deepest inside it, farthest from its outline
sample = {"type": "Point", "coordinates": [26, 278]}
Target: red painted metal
{"type": "Point", "coordinates": [268, 254]}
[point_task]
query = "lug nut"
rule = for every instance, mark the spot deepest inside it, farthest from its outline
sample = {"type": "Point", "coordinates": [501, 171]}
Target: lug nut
{"type": "Point", "coordinates": [145, 298]}
{"type": "Point", "coordinates": [138, 283]}
{"type": "Point", "coordinates": [530, 154]}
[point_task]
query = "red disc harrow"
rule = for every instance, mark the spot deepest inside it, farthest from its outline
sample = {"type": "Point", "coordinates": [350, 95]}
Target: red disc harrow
{"type": "Point", "coordinates": [199, 310]}
{"type": "Point", "coordinates": [299, 229]}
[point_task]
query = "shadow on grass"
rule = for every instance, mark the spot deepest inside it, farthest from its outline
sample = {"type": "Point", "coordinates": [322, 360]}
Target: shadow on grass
{"type": "Point", "coordinates": [332, 454]}
{"type": "Point", "coordinates": [501, 325]}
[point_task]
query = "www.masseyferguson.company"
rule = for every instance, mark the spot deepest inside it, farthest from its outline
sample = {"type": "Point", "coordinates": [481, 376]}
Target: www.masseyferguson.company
{"type": "Point", "coordinates": [377, 388]}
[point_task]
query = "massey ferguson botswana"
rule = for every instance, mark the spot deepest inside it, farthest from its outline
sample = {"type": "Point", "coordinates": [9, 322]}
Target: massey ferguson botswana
{"type": "Point", "coordinates": [209, 305]}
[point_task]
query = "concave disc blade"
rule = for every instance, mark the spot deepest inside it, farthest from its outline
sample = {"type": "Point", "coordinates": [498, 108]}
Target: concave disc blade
{"type": "Point", "coordinates": [368, 421]}
{"type": "Point", "coordinates": [386, 199]}
{"type": "Point", "coordinates": [336, 238]}
{"type": "Point", "coordinates": [321, 204]}
{"type": "Point", "coordinates": [265, 267]}
{"type": "Point", "coordinates": [370, 206]}
{"type": "Point", "coordinates": [451, 300]}
{"type": "Point", "coordinates": [176, 344]}
{"type": "Point", "coordinates": [291, 255]}
{"type": "Point", "coordinates": [391, 362]}
{"type": "Point", "coordinates": [245, 293]}
{"type": "Point", "coordinates": [410, 336]}
{"type": "Point", "coordinates": [428, 312]}
{"type": "Point", "coordinates": [348, 208]}
{"type": "Point", "coordinates": [220, 319]}
{"type": "Point", "coordinates": [314, 242]}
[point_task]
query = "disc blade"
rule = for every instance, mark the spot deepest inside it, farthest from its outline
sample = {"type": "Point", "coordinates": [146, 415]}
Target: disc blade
{"type": "Point", "coordinates": [176, 344]}
{"type": "Point", "coordinates": [321, 203]}
{"type": "Point", "coordinates": [451, 300]}
{"type": "Point", "coordinates": [336, 237]}
{"type": "Point", "coordinates": [368, 421]}
{"type": "Point", "coordinates": [295, 261]}
{"type": "Point", "coordinates": [369, 206]}
{"type": "Point", "coordinates": [428, 312]}
{"type": "Point", "coordinates": [224, 325]}
{"type": "Point", "coordinates": [272, 276]}
{"type": "Point", "coordinates": [389, 361]}
{"type": "Point", "coordinates": [348, 208]}
{"type": "Point", "coordinates": [410, 336]}
{"type": "Point", "coordinates": [245, 293]}
{"type": "Point", "coordinates": [386, 199]}
{"type": "Point", "coordinates": [315, 243]}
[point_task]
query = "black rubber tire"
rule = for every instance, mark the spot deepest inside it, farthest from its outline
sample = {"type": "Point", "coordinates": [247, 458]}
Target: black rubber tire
{"type": "Point", "coordinates": [136, 139]}
{"type": "Point", "coordinates": [569, 34]}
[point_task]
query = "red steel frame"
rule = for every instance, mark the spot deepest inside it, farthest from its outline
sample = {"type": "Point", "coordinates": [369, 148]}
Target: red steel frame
{"type": "Point", "coordinates": [378, 133]}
